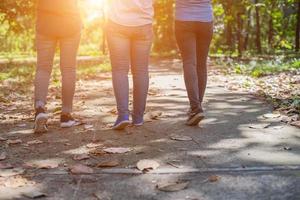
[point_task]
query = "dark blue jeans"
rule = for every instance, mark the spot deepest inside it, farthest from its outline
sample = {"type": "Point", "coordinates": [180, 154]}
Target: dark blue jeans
{"type": "Point", "coordinates": [130, 47]}
{"type": "Point", "coordinates": [193, 40]}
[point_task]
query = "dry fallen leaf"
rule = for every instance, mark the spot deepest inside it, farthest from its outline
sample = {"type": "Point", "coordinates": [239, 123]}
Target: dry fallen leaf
{"type": "Point", "coordinates": [110, 163]}
{"type": "Point", "coordinates": [214, 178]}
{"type": "Point", "coordinates": [3, 156]}
{"type": "Point", "coordinates": [117, 150]}
{"type": "Point", "coordinates": [154, 115]}
{"type": "Point", "coordinates": [12, 142]}
{"type": "Point", "coordinates": [173, 187]}
{"type": "Point", "coordinates": [271, 115]}
{"type": "Point", "coordinates": [17, 181]}
{"type": "Point", "coordinates": [147, 164]}
{"type": "Point", "coordinates": [81, 157]}
{"type": "Point", "coordinates": [88, 126]}
{"type": "Point", "coordinates": [45, 164]}
{"type": "Point", "coordinates": [35, 142]}
{"type": "Point", "coordinates": [21, 125]}
{"type": "Point", "coordinates": [94, 145]}
{"type": "Point", "coordinates": [81, 169]}
{"type": "Point", "coordinates": [34, 194]}
{"type": "Point", "coordinates": [181, 138]}
{"type": "Point", "coordinates": [259, 126]}
{"type": "Point", "coordinates": [296, 123]}
{"type": "Point", "coordinates": [97, 152]}
{"type": "Point", "coordinates": [5, 166]}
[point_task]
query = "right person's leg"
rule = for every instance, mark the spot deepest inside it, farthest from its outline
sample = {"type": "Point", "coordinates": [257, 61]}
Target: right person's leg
{"type": "Point", "coordinates": [186, 40]}
{"type": "Point", "coordinates": [119, 47]}
{"type": "Point", "coordinates": [45, 55]}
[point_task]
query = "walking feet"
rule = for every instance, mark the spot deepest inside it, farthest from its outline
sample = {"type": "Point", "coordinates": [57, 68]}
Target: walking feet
{"type": "Point", "coordinates": [194, 117]}
{"type": "Point", "coordinates": [67, 121]}
{"type": "Point", "coordinates": [40, 122]}
{"type": "Point", "coordinates": [121, 123]}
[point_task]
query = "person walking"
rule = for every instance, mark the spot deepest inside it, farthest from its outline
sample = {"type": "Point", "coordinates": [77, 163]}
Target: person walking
{"type": "Point", "coordinates": [58, 23]}
{"type": "Point", "coordinates": [129, 37]}
{"type": "Point", "coordinates": [194, 31]}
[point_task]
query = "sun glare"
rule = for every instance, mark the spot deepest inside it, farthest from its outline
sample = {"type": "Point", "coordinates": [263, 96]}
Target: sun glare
{"type": "Point", "coordinates": [94, 9]}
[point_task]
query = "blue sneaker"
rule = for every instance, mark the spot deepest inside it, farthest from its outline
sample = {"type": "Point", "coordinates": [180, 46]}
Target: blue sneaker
{"type": "Point", "coordinates": [137, 121]}
{"type": "Point", "coordinates": [121, 123]}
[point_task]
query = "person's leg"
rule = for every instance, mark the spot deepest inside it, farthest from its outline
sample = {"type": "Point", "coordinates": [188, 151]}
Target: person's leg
{"type": "Point", "coordinates": [45, 54]}
{"type": "Point", "coordinates": [68, 61]}
{"type": "Point", "coordinates": [186, 40]}
{"type": "Point", "coordinates": [119, 47]}
{"type": "Point", "coordinates": [204, 37]}
{"type": "Point", "coordinates": [140, 51]}
{"type": "Point", "coordinates": [45, 47]}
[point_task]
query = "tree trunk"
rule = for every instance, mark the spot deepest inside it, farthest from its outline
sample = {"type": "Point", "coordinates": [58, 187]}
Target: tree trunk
{"type": "Point", "coordinates": [297, 42]}
{"type": "Point", "coordinates": [247, 30]}
{"type": "Point", "coordinates": [271, 27]}
{"type": "Point", "coordinates": [258, 31]}
{"type": "Point", "coordinates": [239, 34]}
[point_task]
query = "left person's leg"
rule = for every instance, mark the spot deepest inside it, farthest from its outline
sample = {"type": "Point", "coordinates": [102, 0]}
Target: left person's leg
{"type": "Point", "coordinates": [140, 52]}
{"type": "Point", "coordinates": [68, 61]}
{"type": "Point", "coordinates": [45, 46]}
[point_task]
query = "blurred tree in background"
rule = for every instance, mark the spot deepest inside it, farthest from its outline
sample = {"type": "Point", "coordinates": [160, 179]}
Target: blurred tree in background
{"type": "Point", "coordinates": [241, 27]}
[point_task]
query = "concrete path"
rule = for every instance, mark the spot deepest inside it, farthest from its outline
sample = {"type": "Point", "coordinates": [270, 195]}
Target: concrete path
{"type": "Point", "coordinates": [250, 154]}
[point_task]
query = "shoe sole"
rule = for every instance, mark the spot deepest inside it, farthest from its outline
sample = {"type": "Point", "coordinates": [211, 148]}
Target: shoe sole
{"type": "Point", "coordinates": [122, 125]}
{"type": "Point", "coordinates": [195, 120]}
{"type": "Point", "coordinates": [40, 125]}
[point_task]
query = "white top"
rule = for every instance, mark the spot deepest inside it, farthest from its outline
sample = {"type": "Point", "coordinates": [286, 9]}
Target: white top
{"type": "Point", "coordinates": [131, 12]}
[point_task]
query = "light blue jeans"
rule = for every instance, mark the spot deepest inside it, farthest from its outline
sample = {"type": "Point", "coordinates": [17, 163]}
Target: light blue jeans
{"type": "Point", "coordinates": [130, 47]}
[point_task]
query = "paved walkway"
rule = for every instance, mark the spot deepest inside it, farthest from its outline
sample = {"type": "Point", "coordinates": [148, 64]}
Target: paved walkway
{"type": "Point", "coordinates": [250, 155]}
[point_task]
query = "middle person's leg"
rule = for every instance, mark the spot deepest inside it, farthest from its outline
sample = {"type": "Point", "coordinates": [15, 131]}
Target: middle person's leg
{"type": "Point", "coordinates": [119, 48]}
{"type": "Point", "coordinates": [140, 50]}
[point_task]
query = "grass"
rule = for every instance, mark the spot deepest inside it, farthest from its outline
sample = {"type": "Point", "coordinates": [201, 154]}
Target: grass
{"type": "Point", "coordinates": [259, 68]}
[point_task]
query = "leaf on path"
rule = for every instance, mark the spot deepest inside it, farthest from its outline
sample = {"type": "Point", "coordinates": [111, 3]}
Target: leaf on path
{"type": "Point", "coordinates": [97, 152]}
{"type": "Point", "coordinates": [109, 163]}
{"type": "Point", "coordinates": [3, 156]}
{"type": "Point", "coordinates": [277, 127]}
{"type": "Point", "coordinates": [81, 157]}
{"type": "Point", "coordinates": [88, 127]}
{"type": "Point", "coordinates": [154, 115]}
{"type": "Point", "coordinates": [181, 138]}
{"type": "Point", "coordinates": [6, 166]}
{"type": "Point", "coordinates": [35, 142]}
{"type": "Point", "coordinates": [12, 142]}
{"type": "Point", "coordinates": [297, 124]}
{"type": "Point", "coordinates": [117, 150]}
{"type": "Point", "coordinates": [271, 115]}
{"type": "Point", "coordinates": [34, 194]}
{"type": "Point", "coordinates": [81, 169]}
{"type": "Point", "coordinates": [21, 125]}
{"type": "Point", "coordinates": [94, 145]}
{"type": "Point", "coordinates": [259, 126]}
{"type": "Point", "coordinates": [17, 181]}
{"type": "Point", "coordinates": [45, 164]}
{"type": "Point", "coordinates": [214, 178]}
{"type": "Point", "coordinates": [287, 148]}
{"type": "Point", "coordinates": [113, 111]}
{"type": "Point", "coordinates": [146, 165]}
{"type": "Point", "coordinates": [102, 195]}
{"type": "Point", "coordinates": [3, 139]}
{"type": "Point", "coordinates": [173, 187]}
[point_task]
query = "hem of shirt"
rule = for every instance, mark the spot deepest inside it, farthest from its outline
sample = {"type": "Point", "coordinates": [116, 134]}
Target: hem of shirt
{"type": "Point", "coordinates": [130, 25]}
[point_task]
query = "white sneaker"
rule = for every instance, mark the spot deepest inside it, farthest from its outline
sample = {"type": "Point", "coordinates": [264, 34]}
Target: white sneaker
{"type": "Point", "coordinates": [40, 123]}
{"type": "Point", "coordinates": [67, 121]}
